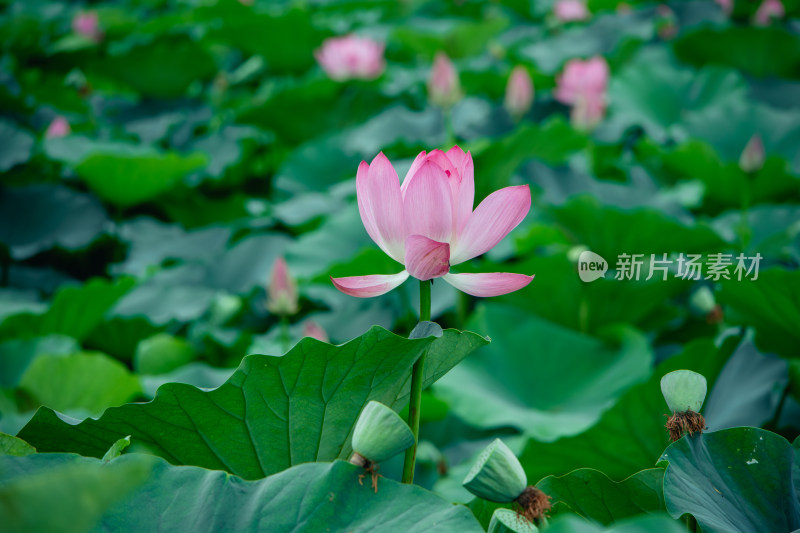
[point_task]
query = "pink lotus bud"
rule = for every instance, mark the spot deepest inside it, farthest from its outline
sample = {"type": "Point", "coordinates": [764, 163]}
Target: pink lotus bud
{"type": "Point", "coordinates": [571, 10]}
{"type": "Point", "coordinates": [753, 155]}
{"type": "Point", "coordinates": [351, 57]}
{"type": "Point", "coordinates": [59, 127]}
{"type": "Point", "coordinates": [87, 25]}
{"type": "Point", "coordinates": [768, 11]}
{"type": "Point", "coordinates": [282, 293]}
{"type": "Point", "coordinates": [519, 92]}
{"type": "Point", "coordinates": [588, 111]}
{"type": "Point", "coordinates": [314, 330]}
{"type": "Point", "coordinates": [444, 88]}
{"type": "Point", "coordinates": [726, 5]}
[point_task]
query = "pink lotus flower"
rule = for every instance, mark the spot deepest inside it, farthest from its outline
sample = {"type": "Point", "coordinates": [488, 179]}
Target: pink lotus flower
{"type": "Point", "coordinates": [351, 57]}
{"type": "Point", "coordinates": [87, 25]}
{"type": "Point", "coordinates": [768, 11]}
{"type": "Point", "coordinates": [444, 87]}
{"type": "Point", "coordinates": [428, 224]}
{"type": "Point", "coordinates": [753, 155]}
{"type": "Point", "coordinates": [519, 92]}
{"type": "Point", "coordinates": [282, 293]}
{"type": "Point", "coordinates": [570, 10]}
{"type": "Point", "coordinates": [59, 127]}
{"type": "Point", "coordinates": [583, 85]}
{"type": "Point", "coordinates": [726, 5]}
{"type": "Point", "coordinates": [314, 330]}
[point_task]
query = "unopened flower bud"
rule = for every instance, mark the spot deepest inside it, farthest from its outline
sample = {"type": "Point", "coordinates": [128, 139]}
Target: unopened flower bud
{"type": "Point", "coordinates": [684, 390]}
{"type": "Point", "coordinates": [380, 433]}
{"type": "Point", "coordinates": [282, 296]}
{"type": "Point", "coordinates": [314, 330]}
{"type": "Point", "coordinates": [444, 87]}
{"type": "Point", "coordinates": [753, 155]}
{"type": "Point", "coordinates": [497, 475]}
{"type": "Point", "coordinates": [768, 11]}
{"type": "Point", "coordinates": [87, 25]}
{"type": "Point", "coordinates": [570, 10]}
{"type": "Point", "coordinates": [507, 521]}
{"type": "Point", "coordinates": [59, 127]}
{"type": "Point", "coordinates": [519, 92]}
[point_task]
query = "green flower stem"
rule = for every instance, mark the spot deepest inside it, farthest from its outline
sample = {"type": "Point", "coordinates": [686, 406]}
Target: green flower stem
{"type": "Point", "coordinates": [285, 339]}
{"type": "Point", "coordinates": [417, 376]}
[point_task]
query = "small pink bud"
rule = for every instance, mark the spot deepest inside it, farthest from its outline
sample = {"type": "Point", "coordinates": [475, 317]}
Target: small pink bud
{"type": "Point", "coordinates": [768, 11]}
{"type": "Point", "coordinates": [87, 25]}
{"type": "Point", "coordinates": [583, 85]}
{"type": "Point", "coordinates": [351, 57]}
{"type": "Point", "coordinates": [570, 10]}
{"type": "Point", "coordinates": [753, 155]}
{"type": "Point", "coordinates": [726, 5]}
{"type": "Point", "coordinates": [519, 92]}
{"type": "Point", "coordinates": [314, 330]}
{"type": "Point", "coordinates": [59, 127]}
{"type": "Point", "coordinates": [282, 293]}
{"type": "Point", "coordinates": [444, 88]}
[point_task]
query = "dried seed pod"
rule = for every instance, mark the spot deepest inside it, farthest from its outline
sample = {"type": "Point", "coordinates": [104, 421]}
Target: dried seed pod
{"type": "Point", "coordinates": [497, 475]}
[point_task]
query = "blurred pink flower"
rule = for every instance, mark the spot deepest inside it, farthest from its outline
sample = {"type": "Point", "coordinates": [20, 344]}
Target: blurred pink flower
{"type": "Point", "coordinates": [87, 25]}
{"type": "Point", "coordinates": [444, 87]}
{"type": "Point", "coordinates": [768, 11]}
{"type": "Point", "coordinates": [583, 85]}
{"type": "Point", "coordinates": [312, 329]}
{"type": "Point", "coordinates": [351, 57]}
{"type": "Point", "coordinates": [519, 92]}
{"type": "Point", "coordinates": [428, 224]}
{"type": "Point", "coordinates": [570, 10]}
{"type": "Point", "coordinates": [59, 127]}
{"type": "Point", "coordinates": [282, 293]}
{"type": "Point", "coordinates": [753, 155]}
{"type": "Point", "coordinates": [726, 5]}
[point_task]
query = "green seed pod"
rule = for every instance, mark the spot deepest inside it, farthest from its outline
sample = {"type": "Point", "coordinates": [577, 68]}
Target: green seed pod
{"type": "Point", "coordinates": [380, 433]}
{"type": "Point", "coordinates": [684, 390]}
{"type": "Point", "coordinates": [497, 475]}
{"type": "Point", "coordinates": [508, 521]}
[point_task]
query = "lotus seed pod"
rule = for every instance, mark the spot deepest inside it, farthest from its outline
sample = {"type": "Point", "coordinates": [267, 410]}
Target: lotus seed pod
{"type": "Point", "coordinates": [684, 390]}
{"type": "Point", "coordinates": [703, 300]}
{"type": "Point", "coordinates": [380, 433]}
{"type": "Point", "coordinates": [497, 475]}
{"type": "Point", "coordinates": [508, 521]}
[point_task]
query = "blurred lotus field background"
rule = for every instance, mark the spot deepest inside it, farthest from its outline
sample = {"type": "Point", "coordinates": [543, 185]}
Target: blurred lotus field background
{"type": "Point", "coordinates": [159, 158]}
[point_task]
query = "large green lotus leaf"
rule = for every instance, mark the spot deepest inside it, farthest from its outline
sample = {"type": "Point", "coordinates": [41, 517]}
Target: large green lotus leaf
{"type": "Point", "coordinates": [458, 38]}
{"type": "Point", "coordinates": [16, 355]}
{"type": "Point", "coordinates": [545, 380]}
{"type": "Point", "coordinates": [770, 304]}
{"type": "Point", "coordinates": [38, 217]}
{"type": "Point", "coordinates": [744, 48]}
{"type": "Point", "coordinates": [748, 389]}
{"type": "Point", "coordinates": [64, 493]}
{"type": "Point", "coordinates": [75, 311]}
{"type": "Point", "coordinates": [307, 498]}
{"type": "Point", "coordinates": [639, 524]}
{"type": "Point", "coordinates": [600, 303]}
{"type": "Point", "coordinates": [273, 412]}
{"type": "Point", "coordinates": [118, 336]}
{"type": "Point", "coordinates": [161, 68]}
{"type": "Point", "coordinates": [127, 178]}
{"type": "Point", "coordinates": [604, 34]}
{"type": "Point", "coordinates": [552, 142]}
{"type": "Point", "coordinates": [81, 382]}
{"type": "Point", "coordinates": [773, 231]}
{"type": "Point", "coordinates": [654, 92]}
{"type": "Point", "coordinates": [606, 230]}
{"type": "Point", "coordinates": [725, 185]}
{"type": "Point", "coordinates": [734, 480]}
{"type": "Point", "coordinates": [591, 494]}
{"type": "Point", "coordinates": [630, 436]}
{"type": "Point", "coordinates": [10, 445]}
{"type": "Point", "coordinates": [16, 147]}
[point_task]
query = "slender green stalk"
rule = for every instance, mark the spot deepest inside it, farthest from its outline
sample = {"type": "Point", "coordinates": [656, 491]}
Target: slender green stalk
{"type": "Point", "coordinates": [285, 338]}
{"type": "Point", "coordinates": [417, 376]}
